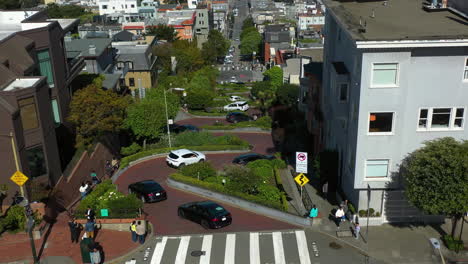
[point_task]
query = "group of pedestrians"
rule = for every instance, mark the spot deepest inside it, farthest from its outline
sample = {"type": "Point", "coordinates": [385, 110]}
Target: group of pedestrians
{"type": "Point", "coordinates": [110, 167]}
{"type": "Point", "coordinates": [91, 251]}
{"type": "Point", "coordinates": [342, 214]}
{"type": "Point", "coordinates": [138, 231]}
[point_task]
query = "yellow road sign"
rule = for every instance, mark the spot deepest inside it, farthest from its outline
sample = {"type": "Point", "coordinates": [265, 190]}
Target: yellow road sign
{"type": "Point", "coordinates": [301, 179]}
{"type": "Point", "coordinates": [19, 178]}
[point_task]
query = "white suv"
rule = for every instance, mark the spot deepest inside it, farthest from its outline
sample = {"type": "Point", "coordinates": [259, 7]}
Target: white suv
{"type": "Point", "coordinates": [235, 98]}
{"type": "Point", "coordinates": [241, 105]}
{"type": "Point", "coordinates": [182, 157]}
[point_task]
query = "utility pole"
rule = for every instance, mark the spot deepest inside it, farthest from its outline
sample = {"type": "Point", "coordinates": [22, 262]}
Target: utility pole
{"type": "Point", "coordinates": [167, 119]}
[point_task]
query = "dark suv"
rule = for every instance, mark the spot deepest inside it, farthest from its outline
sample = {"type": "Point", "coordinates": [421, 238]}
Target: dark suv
{"type": "Point", "coordinates": [235, 117]}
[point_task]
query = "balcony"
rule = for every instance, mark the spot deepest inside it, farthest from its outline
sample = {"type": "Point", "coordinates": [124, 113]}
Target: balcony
{"type": "Point", "coordinates": [75, 65]}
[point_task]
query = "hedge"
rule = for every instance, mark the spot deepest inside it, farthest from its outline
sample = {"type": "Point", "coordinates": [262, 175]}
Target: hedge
{"type": "Point", "coordinates": [220, 189]}
{"type": "Point", "coordinates": [279, 183]}
{"type": "Point", "coordinates": [263, 123]}
{"type": "Point", "coordinates": [126, 160]}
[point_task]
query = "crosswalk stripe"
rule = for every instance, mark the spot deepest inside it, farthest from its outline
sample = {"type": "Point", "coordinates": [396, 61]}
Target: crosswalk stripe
{"type": "Point", "coordinates": [302, 247]}
{"type": "Point", "coordinates": [182, 251]}
{"type": "Point", "coordinates": [229, 253]}
{"type": "Point", "coordinates": [278, 248]}
{"type": "Point", "coordinates": [206, 246]}
{"type": "Point", "coordinates": [254, 249]}
{"type": "Point", "coordinates": [158, 251]}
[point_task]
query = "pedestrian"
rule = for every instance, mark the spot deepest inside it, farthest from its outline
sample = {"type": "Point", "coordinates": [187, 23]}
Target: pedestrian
{"type": "Point", "coordinates": [344, 205]}
{"type": "Point", "coordinates": [90, 187]}
{"type": "Point", "coordinates": [95, 256]}
{"type": "Point", "coordinates": [75, 229]}
{"type": "Point", "coordinates": [89, 229]}
{"type": "Point", "coordinates": [357, 229]}
{"type": "Point", "coordinates": [108, 168]}
{"type": "Point", "coordinates": [133, 231]}
{"type": "Point", "coordinates": [94, 177]}
{"type": "Point", "coordinates": [90, 215]}
{"type": "Point", "coordinates": [325, 189]}
{"type": "Point", "coordinates": [83, 190]}
{"type": "Point", "coordinates": [339, 216]}
{"type": "Point", "coordinates": [313, 212]}
{"type": "Point", "coordinates": [141, 231]}
{"type": "Point", "coordinates": [115, 164]}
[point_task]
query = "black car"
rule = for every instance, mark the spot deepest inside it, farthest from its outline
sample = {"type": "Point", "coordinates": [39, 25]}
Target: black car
{"type": "Point", "coordinates": [148, 191]}
{"type": "Point", "coordinates": [249, 157]}
{"type": "Point", "coordinates": [236, 117]}
{"type": "Point", "coordinates": [175, 128]}
{"type": "Point", "coordinates": [207, 213]}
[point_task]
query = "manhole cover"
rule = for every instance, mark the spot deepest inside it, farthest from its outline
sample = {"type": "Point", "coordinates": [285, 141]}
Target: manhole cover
{"type": "Point", "coordinates": [197, 253]}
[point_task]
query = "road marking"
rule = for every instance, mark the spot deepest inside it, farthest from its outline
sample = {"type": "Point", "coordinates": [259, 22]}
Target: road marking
{"type": "Point", "coordinates": [302, 247]}
{"type": "Point", "coordinates": [278, 248]}
{"type": "Point", "coordinates": [254, 249]}
{"type": "Point", "coordinates": [206, 246]}
{"type": "Point", "coordinates": [182, 251]}
{"type": "Point", "coordinates": [158, 251]}
{"type": "Point", "coordinates": [229, 253]}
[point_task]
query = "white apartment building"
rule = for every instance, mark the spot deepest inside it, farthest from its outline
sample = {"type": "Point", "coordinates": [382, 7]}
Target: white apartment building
{"type": "Point", "coordinates": [394, 76]}
{"type": "Point", "coordinates": [312, 19]}
{"type": "Point", "coordinates": [107, 7]}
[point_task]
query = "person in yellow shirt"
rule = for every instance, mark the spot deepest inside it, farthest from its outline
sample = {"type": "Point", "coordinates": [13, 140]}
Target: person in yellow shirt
{"type": "Point", "coordinates": [133, 230]}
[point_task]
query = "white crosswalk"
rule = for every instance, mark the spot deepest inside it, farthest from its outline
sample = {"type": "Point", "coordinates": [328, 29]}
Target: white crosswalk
{"type": "Point", "coordinates": [246, 248]}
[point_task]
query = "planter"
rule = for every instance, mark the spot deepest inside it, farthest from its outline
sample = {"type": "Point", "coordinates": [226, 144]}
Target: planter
{"type": "Point", "coordinates": [373, 221]}
{"type": "Point", "coordinates": [112, 224]}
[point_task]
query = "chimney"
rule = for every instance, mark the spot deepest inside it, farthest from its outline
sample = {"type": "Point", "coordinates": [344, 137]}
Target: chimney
{"type": "Point", "coordinates": [92, 50]}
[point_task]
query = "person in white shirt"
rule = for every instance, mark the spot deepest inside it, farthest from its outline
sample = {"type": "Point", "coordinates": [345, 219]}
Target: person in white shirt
{"type": "Point", "coordinates": [83, 189]}
{"type": "Point", "coordinates": [339, 216]}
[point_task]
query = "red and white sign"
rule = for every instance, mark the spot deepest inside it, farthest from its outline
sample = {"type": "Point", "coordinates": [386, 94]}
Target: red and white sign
{"type": "Point", "coordinates": [301, 162]}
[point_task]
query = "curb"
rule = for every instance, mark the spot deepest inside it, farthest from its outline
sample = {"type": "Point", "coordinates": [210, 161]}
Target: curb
{"type": "Point", "coordinates": [121, 259]}
{"type": "Point", "coordinates": [236, 130]}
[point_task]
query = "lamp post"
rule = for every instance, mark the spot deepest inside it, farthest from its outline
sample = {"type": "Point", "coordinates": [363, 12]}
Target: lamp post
{"type": "Point", "coordinates": [25, 202]}
{"type": "Point", "coordinates": [167, 120]}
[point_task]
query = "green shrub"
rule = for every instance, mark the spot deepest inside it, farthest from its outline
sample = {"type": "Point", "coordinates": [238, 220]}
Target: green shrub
{"type": "Point", "coordinates": [284, 202]}
{"type": "Point", "coordinates": [15, 219]}
{"type": "Point", "coordinates": [199, 170]}
{"type": "Point", "coordinates": [269, 193]}
{"type": "Point", "coordinates": [371, 211]}
{"type": "Point", "coordinates": [351, 208]}
{"type": "Point", "coordinates": [452, 243]}
{"type": "Point", "coordinates": [377, 214]}
{"type": "Point", "coordinates": [91, 200]}
{"type": "Point", "coordinates": [362, 213]}
{"type": "Point", "coordinates": [130, 150]}
{"type": "Point", "coordinates": [264, 121]}
{"type": "Point", "coordinates": [279, 164]}
{"type": "Point", "coordinates": [194, 139]}
{"type": "Point", "coordinates": [262, 169]}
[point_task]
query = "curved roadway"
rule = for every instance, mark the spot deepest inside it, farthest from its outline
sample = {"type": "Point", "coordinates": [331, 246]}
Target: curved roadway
{"type": "Point", "coordinates": [163, 215]}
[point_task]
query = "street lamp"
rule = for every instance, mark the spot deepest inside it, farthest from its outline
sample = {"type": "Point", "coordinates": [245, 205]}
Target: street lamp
{"type": "Point", "coordinates": [25, 202]}
{"type": "Point", "coordinates": [167, 119]}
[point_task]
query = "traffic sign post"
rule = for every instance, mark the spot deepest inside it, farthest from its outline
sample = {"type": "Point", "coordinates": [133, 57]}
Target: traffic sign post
{"type": "Point", "coordinates": [301, 162]}
{"type": "Point", "coordinates": [302, 180]}
{"type": "Point", "coordinates": [19, 178]}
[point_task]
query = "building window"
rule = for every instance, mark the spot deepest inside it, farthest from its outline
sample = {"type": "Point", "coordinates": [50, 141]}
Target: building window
{"type": "Point", "coordinates": [104, 6]}
{"type": "Point", "coordinates": [132, 6]}
{"type": "Point", "coordinates": [130, 65]}
{"type": "Point", "coordinates": [441, 118]}
{"type": "Point", "coordinates": [343, 92]}
{"type": "Point", "coordinates": [377, 168]}
{"type": "Point", "coordinates": [28, 113]}
{"type": "Point", "coordinates": [36, 161]}
{"type": "Point", "coordinates": [385, 75]}
{"type": "Point", "coordinates": [55, 111]}
{"type": "Point", "coordinates": [45, 66]}
{"type": "Point", "coordinates": [131, 82]}
{"type": "Point", "coordinates": [380, 123]}
{"type": "Point", "coordinates": [465, 74]}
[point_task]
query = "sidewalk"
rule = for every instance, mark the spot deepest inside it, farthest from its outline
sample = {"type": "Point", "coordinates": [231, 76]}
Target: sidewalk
{"type": "Point", "coordinates": [57, 249]}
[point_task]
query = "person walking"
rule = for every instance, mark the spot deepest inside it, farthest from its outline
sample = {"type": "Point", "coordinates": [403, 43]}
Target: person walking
{"type": "Point", "coordinates": [89, 229]}
{"type": "Point", "coordinates": [94, 178]}
{"type": "Point", "coordinates": [75, 229]}
{"type": "Point", "coordinates": [133, 231]}
{"type": "Point", "coordinates": [141, 231]}
{"type": "Point", "coordinates": [83, 190]}
{"type": "Point", "coordinates": [357, 229]}
{"type": "Point", "coordinates": [95, 255]}
{"type": "Point", "coordinates": [339, 216]}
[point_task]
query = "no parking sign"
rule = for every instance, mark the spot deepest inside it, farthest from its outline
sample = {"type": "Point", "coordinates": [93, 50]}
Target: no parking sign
{"type": "Point", "coordinates": [301, 162]}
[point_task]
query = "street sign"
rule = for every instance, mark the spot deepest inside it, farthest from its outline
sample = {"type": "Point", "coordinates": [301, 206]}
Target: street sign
{"type": "Point", "coordinates": [104, 212]}
{"type": "Point", "coordinates": [301, 162]}
{"type": "Point", "coordinates": [301, 179]}
{"type": "Point", "coordinates": [19, 178]}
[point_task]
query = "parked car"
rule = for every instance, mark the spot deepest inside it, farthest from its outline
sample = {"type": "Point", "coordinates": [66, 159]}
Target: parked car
{"type": "Point", "coordinates": [249, 157]}
{"type": "Point", "coordinates": [175, 128]}
{"type": "Point", "coordinates": [182, 157]}
{"type": "Point", "coordinates": [236, 117]}
{"type": "Point", "coordinates": [234, 98]}
{"type": "Point", "coordinates": [148, 191]}
{"type": "Point", "coordinates": [207, 213]}
{"type": "Point", "coordinates": [240, 105]}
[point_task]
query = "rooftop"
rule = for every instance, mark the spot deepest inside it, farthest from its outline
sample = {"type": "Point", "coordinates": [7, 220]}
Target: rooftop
{"type": "Point", "coordinates": [21, 83]}
{"type": "Point", "coordinates": [83, 46]}
{"type": "Point", "coordinates": [397, 20]}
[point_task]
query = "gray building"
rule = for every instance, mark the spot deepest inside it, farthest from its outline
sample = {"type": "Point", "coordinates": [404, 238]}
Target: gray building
{"type": "Point", "coordinates": [394, 77]}
{"type": "Point", "coordinates": [202, 26]}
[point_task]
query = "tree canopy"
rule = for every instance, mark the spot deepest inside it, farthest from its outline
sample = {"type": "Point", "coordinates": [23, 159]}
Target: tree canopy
{"type": "Point", "coordinates": [69, 11]}
{"type": "Point", "coordinates": [436, 178]}
{"type": "Point", "coordinates": [264, 94]}
{"type": "Point", "coordinates": [275, 76]}
{"type": "Point", "coordinates": [216, 46]}
{"type": "Point", "coordinates": [94, 112]}
{"type": "Point", "coordinates": [188, 56]}
{"type": "Point", "coordinates": [163, 32]}
{"type": "Point", "coordinates": [248, 22]}
{"type": "Point", "coordinates": [147, 118]}
{"type": "Point", "coordinates": [250, 41]}
{"type": "Point", "coordinates": [287, 95]}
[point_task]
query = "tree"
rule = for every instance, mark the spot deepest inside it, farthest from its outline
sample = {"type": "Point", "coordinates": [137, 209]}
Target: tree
{"type": "Point", "coordinates": [163, 32]}
{"type": "Point", "coordinates": [288, 95]}
{"type": "Point", "coordinates": [147, 118]}
{"type": "Point", "coordinates": [94, 112]}
{"type": "Point", "coordinates": [216, 46]}
{"type": "Point", "coordinates": [248, 22]}
{"type": "Point", "coordinates": [436, 178]}
{"type": "Point", "coordinates": [199, 92]}
{"type": "Point", "coordinates": [188, 56]}
{"type": "Point", "coordinates": [275, 76]}
{"type": "Point", "coordinates": [251, 42]}
{"type": "Point", "coordinates": [264, 93]}
{"type": "Point", "coordinates": [17, 4]}
{"type": "Point", "coordinates": [163, 52]}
